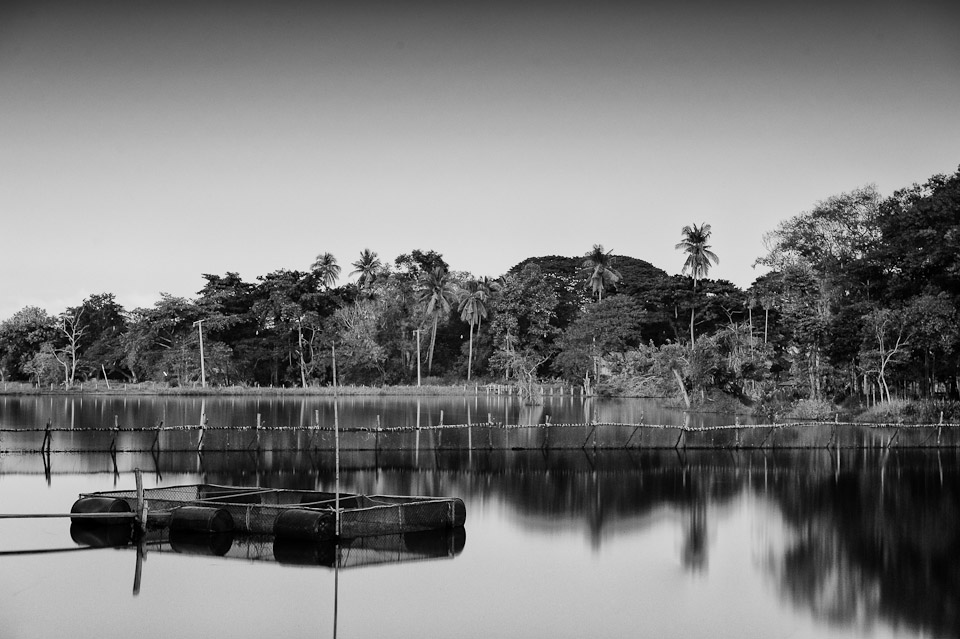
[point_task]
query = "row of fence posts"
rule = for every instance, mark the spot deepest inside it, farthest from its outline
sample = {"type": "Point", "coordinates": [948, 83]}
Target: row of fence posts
{"type": "Point", "coordinates": [509, 389]}
{"type": "Point", "coordinates": [155, 446]}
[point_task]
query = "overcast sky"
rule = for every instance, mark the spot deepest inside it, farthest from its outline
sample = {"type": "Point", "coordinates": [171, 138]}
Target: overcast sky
{"type": "Point", "coordinates": [143, 144]}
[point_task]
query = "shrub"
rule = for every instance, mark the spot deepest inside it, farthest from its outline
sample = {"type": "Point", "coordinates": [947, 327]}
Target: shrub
{"type": "Point", "coordinates": [893, 411]}
{"type": "Point", "coordinates": [812, 409]}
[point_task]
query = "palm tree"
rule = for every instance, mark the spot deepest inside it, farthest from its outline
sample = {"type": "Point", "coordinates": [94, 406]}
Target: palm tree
{"type": "Point", "coordinates": [599, 270]}
{"type": "Point", "coordinates": [326, 270]}
{"type": "Point", "coordinates": [699, 257]}
{"type": "Point", "coordinates": [368, 267]}
{"type": "Point", "coordinates": [473, 308]}
{"type": "Point", "coordinates": [438, 293]}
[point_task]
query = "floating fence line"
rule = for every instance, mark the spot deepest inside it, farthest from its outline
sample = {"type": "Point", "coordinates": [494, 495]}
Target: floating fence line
{"type": "Point", "coordinates": [479, 436]}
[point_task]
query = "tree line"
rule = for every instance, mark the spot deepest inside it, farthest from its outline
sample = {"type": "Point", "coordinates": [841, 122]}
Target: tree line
{"type": "Point", "coordinates": [860, 300]}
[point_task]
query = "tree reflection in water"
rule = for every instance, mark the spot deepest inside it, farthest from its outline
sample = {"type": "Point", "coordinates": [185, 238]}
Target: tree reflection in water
{"type": "Point", "coordinates": [874, 535]}
{"type": "Point", "coordinates": [878, 539]}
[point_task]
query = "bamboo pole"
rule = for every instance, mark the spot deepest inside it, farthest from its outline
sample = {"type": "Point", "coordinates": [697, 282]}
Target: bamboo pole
{"type": "Point", "coordinates": [336, 440]}
{"type": "Point", "coordinates": [68, 515]}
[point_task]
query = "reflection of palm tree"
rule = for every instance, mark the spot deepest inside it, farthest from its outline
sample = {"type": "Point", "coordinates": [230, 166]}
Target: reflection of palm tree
{"type": "Point", "coordinates": [367, 267]}
{"type": "Point", "coordinates": [437, 292]}
{"type": "Point", "coordinates": [326, 270]}
{"type": "Point", "coordinates": [695, 549]}
{"type": "Point", "coordinates": [473, 308]}
{"type": "Point", "coordinates": [599, 270]}
{"type": "Point", "coordinates": [699, 256]}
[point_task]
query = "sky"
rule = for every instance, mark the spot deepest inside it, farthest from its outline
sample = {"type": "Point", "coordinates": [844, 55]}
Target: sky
{"type": "Point", "coordinates": [143, 144]}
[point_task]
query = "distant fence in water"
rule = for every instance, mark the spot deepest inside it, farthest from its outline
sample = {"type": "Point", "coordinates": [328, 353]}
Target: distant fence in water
{"type": "Point", "coordinates": [481, 436]}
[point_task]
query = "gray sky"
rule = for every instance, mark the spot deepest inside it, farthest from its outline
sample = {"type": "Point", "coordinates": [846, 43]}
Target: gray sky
{"type": "Point", "coordinates": [143, 144]}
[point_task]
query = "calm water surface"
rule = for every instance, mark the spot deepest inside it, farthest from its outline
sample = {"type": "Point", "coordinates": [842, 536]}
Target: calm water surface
{"type": "Point", "coordinates": [558, 544]}
{"type": "Point", "coordinates": [132, 411]}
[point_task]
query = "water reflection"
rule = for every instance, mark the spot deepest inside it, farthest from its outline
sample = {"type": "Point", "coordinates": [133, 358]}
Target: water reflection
{"type": "Point", "coordinates": [862, 537]}
{"type": "Point", "coordinates": [101, 411]}
{"type": "Point", "coordinates": [877, 541]}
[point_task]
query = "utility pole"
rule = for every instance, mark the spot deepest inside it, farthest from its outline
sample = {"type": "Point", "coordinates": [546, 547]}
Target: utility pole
{"type": "Point", "coordinates": [203, 371]}
{"type": "Point", "coordinates": [418, 358]}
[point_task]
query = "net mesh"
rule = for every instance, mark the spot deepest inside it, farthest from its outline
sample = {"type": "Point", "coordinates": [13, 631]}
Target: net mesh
{"type": "Point", "coordinates": [348, 553]}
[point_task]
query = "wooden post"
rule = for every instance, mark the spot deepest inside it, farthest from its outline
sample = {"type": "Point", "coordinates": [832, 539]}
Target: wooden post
{"type": "Point", "coordinates": [336, 446]}
{"type": "Point", "coordinates": [203, 423]}
{"type": "Point", "coordinates": [47, 438]}
{"type": "Point", "coordinates": [333, 350]}
{"type": "Point", "coordinates": [140, 503]}
{"type": "Point", "coordinates": [155, 446]}
{"type": "Point", "coordinates": [203, 370]}
{"type": "Point", "coordinates": [418, 357]}
{"type": "Point", "coordinates": [116, 429]}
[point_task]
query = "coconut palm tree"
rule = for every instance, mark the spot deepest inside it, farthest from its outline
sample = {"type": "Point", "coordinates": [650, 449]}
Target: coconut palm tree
{"type": "Point", "coordinates": [438, 292]}
{"type": "Point", "coordinates": [473, 308]}
{"type": "Point", "coordinates": [599, 270]}
{"type": "Point", "coordinates": [326, 270]}
{"type": "Point", "coordinates": [367, 267]}
{"type": "Point", "coordinates": [699, 257]}
{"type": "Point", "coordinates": [489, 286]}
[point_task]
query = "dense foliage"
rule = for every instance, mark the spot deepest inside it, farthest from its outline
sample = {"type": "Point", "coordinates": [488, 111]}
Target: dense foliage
{"type": "Point", "coordinates": [860, 301]}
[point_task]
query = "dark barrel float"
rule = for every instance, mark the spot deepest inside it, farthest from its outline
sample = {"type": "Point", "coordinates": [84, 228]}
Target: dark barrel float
{"type": "Point", "coordinates": [99, 525]}
{"type": "Point", "coordinates": [201, 530]}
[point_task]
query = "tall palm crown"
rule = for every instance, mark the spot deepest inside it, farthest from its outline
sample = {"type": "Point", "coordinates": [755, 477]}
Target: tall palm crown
{"type": "Point", "coordinates": [473, 308]}
{"type": "Point", "coordinates": [438, 292]}
{"type": "Point", "coordinates": [699, 255]}
{"type": "Point", "coordinates": [368, 266]}
{"type": "Point", "coordinates": [326, 269]}
{"type": "Point", "coordinates": [598, 267]}
{"type": "Point", "coordinates": [473, 302]}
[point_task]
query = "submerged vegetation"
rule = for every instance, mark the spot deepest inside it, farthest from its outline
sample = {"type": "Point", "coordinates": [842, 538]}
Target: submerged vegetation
{"type": "Point", "coordinates": [858, 309]}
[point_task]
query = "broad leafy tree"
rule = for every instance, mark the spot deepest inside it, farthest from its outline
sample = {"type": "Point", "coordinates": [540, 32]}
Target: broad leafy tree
{"type": "Point", "coordinates": [21, 338]}
{"type": "Point", "coordinates": [522, 324]}
{"type": "Point", "coordinates": [609, 326]}
{"type": "Point", "coordinates": [101, 343]}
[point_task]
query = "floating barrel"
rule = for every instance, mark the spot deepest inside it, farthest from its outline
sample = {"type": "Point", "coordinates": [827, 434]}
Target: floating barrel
{"type": "Point", "coordinates": [193, 542]}
{"type": "Point", "coordinates": [458, 512]}
{"type": "Point", "coordinates": [100, 532]}
{"type": "Point", "coordinates": [305, 525]}
{"type": "Point", "coordinates": [200, 519]}
{"type": "Point", "coordinates": [95, 535]}
{"type": "Point", "coordinates": [101, 506]}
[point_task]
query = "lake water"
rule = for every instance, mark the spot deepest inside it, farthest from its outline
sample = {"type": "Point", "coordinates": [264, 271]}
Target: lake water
{"type": "Point", "coordinates": [144, 411]}
{"type": "Point", "coordinates": [557, 544]}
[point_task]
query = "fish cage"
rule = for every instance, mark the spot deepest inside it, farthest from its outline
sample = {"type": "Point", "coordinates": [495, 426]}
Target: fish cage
{"type": "Point", "coordinates": [286, 514]}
